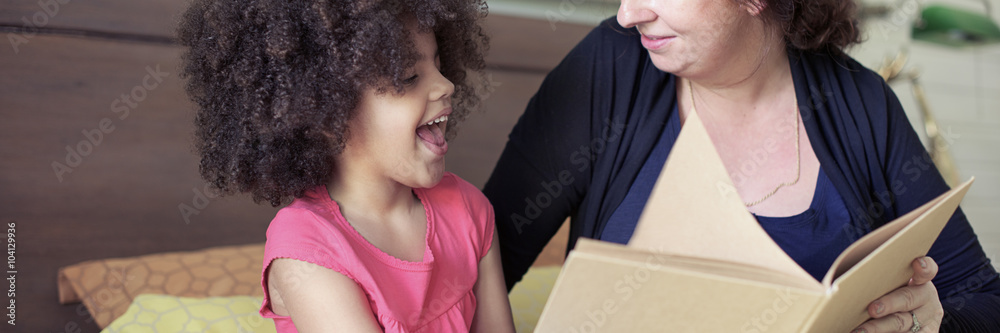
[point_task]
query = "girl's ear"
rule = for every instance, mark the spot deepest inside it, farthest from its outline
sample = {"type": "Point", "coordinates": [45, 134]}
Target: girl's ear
{"type": "Point", "coordinates": [754, 7]}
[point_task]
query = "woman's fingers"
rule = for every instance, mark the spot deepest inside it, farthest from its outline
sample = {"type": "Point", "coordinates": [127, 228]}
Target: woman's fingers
{"type": "Point", "coordinates": [896, 322]}
{"type": "Point", "coordinates": [894, 312]}
{"type": "Point", "coordinates": [904, 299]}
{"type": "Point", "coordinates": [924, 270]}
{"type": "Point", "coordinates": [902, 322]}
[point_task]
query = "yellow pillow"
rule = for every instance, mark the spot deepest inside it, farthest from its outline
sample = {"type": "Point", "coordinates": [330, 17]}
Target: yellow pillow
{"type": "Point", "coordinates": [164, 313]}
{"type": "Point", "coordinates": [529, 296]}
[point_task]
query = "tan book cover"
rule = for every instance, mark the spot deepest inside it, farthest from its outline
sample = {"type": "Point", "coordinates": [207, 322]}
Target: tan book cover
{"type": "Point", "coordinates": [699, 262]}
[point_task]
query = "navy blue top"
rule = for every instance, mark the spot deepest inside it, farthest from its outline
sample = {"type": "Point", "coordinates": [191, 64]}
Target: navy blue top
{"type": "Point", "coordinates": [813, 238]}
{"type": "Point", "coordinates": [578, 148]}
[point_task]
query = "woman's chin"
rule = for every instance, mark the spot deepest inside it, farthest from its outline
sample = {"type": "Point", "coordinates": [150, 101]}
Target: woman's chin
{"type": "Point", "coordinates": [666, 63]}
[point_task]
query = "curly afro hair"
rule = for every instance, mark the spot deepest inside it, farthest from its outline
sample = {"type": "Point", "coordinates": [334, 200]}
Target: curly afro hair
{"type": "Point", "coordinates": [277, 82]}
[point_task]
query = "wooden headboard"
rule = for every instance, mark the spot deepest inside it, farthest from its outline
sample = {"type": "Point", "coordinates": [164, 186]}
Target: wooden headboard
{"type": "Point", "coordinates": [96, 157]}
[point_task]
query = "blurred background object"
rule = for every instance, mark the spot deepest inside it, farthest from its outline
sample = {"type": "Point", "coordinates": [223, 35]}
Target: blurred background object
{"type": "Point", "coordinates": [956, 27]}
{"type": "Point", "coordinates": [942, 59]}
{"type": "Point", "coordinates": [944, 24]}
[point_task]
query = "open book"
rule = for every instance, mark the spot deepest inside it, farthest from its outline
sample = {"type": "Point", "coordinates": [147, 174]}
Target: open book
{"type": "Point", "coordinates": [699, 262]}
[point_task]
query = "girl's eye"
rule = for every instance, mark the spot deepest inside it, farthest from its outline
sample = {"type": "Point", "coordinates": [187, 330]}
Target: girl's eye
{"type": "Point", "coordinates": [411, 80]}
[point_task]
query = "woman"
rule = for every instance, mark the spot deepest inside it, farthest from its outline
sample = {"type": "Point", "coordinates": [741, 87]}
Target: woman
{"type": "Point", "coordinates": [818, 146]}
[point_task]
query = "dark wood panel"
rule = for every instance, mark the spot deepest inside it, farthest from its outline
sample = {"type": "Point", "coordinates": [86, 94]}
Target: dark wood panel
{"type": "Point", "coordinates": [153, 17]}
{"type": "Point", "coordinates": [122, 196]}
{"type": "Point", "coordinates": [482, 136]}
{"type": "Point", "coordinates": [530, 44]}
{"type": "Point", "coordinates": [158, 19]}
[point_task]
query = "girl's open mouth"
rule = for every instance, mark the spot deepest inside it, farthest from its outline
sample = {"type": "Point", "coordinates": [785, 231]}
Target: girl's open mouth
{"type": "Point", "coordinates": [432, 134]}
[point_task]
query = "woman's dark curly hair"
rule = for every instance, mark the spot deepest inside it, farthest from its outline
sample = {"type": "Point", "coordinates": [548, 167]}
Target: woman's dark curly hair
{"type": "Point", "coordinates": [813, 25]}
{"type": "Point", "coordinates": [276, 82]}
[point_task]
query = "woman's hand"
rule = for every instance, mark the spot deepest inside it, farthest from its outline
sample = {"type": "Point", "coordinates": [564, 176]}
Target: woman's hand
{"type": "Point", "coordinates": [895, 311]}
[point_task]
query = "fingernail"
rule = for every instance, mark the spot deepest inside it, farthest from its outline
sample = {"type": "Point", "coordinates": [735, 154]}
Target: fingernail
{"type": "Point", "coordinates": [923, 262]}
{"type": "Point", "coordinates": [879, 307]}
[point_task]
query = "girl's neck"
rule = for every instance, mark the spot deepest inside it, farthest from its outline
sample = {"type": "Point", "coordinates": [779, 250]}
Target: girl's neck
{"type": "Point", "coordinates": [362, 196]}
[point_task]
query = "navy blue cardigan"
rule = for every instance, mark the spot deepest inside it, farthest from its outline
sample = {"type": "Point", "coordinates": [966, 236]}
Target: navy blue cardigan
{"type": "Point", "coordinates": [580, 143]}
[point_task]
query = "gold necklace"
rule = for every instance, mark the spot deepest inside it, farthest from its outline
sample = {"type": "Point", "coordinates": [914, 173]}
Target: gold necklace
{"type": "Point", "coordinates": [798, 158]}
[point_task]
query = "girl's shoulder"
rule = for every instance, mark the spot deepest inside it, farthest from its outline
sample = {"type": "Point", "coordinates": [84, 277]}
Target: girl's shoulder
{"type": "Point", "coordinates": [309, 222]}
{"type": "Point", "coordinates": [453, 189]}
{"type": "Point", "coordinates": [461, 209]}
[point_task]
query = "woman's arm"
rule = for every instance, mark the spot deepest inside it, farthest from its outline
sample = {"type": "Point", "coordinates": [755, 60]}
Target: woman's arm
{"type": "Point", "coordinates": [968, 286]}
{"type": "Point", "coordinates": [540, 177]}
{"type": "Point", "coordinates": [493, 312]}
{"type": "Point", "coordinates": [318, 299]}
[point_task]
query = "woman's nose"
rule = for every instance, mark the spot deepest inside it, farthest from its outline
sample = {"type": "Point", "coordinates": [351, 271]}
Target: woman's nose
{"type": "Point", "coordinates": [635, 12]}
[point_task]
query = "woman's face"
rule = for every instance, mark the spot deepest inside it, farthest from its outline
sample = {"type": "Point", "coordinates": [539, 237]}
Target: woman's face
{"type": "Point", "coordinates": [401, 136]}
{"type": "Point", "coordinates": [694, 38]}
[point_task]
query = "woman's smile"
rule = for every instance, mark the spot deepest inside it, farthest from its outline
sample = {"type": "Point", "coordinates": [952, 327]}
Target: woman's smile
{"type": "Point", "coordinates": [654, 42]}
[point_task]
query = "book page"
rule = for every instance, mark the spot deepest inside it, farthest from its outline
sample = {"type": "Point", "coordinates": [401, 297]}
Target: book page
{"type": "Point", "coordinates": [695, 211]}
{"type": "Point", "coordinates": [612, 288]}
{"type": "Point", "coordinates": [728, 269]}
{"type": "Point", "coordinates": [885, 268]}
{"type": "Point", "coordinates": [867, 244]}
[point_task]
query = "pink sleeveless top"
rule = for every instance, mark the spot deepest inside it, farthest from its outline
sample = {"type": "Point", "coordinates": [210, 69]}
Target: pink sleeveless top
{"type": "Point", "coordinates": [435, 295]}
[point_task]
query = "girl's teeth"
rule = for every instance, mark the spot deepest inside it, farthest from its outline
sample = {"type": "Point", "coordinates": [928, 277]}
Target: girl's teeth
{"type": "Point", "coordinates": [435, 121]}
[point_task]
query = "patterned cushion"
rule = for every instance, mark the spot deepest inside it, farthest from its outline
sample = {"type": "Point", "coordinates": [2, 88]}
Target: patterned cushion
{"type": "Point", "coordinates": [107, 287]}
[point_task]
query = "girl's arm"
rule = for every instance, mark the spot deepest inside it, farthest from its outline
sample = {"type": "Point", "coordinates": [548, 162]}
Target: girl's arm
{"type": "Point", "coordinates": [318, 299]}
{"type": "Point", "coordinates": [493, 307]}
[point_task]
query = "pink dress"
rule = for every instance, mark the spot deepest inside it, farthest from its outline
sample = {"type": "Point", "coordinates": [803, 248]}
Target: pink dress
{"type": "Point", "coordinates": [435, 295]}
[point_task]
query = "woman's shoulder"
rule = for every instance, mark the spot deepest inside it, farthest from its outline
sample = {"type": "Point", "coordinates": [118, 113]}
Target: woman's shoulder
{"type": "Point", "coordinates": [841, 83]}
{"type": "Point", "coordinates": [610, 45]}
{"type": "Point", "coordinates": [841, 67]}
{"type": "Point", "coordinates": [609, 31]}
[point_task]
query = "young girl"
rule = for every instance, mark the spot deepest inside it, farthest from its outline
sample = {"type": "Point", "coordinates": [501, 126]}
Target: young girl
{"type": "Point", "coordinates": [344, 106]}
